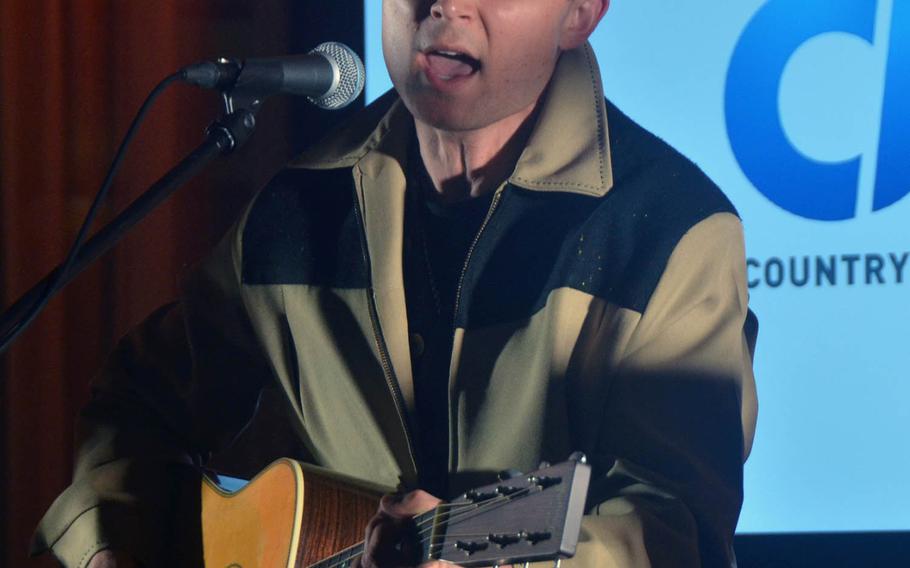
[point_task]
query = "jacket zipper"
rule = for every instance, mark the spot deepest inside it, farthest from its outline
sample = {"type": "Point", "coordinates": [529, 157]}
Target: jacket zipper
{"type": "Point", "coordinates": [453, 442]}
{"type": "Point", "coordinates": [384, 358]}
{"type": "Point", "coordinates": [464, 269]}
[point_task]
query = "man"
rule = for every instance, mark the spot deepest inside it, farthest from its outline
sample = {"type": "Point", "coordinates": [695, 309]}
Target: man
{"type": "Point", "coordinates": [497, 269]}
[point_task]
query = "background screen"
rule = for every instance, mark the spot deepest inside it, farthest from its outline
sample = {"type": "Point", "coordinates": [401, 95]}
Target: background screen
{"type": "Point", "coordinates": [798, 110]}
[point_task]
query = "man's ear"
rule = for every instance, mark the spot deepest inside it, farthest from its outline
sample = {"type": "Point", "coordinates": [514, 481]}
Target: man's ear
{"type": "Point", "coordinates": [581, 22]}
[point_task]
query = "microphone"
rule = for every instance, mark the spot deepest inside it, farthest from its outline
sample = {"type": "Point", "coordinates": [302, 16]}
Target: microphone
{"type": "Point", "coordinates": [331, 76]}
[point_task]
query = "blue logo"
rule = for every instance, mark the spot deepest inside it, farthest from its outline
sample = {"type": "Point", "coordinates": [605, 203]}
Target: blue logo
{"type": "Point", "coordinates": [826, 191]}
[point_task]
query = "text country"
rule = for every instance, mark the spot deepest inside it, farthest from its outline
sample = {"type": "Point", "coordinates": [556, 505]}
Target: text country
{"type": "Point", "coordinates": [871, 269]}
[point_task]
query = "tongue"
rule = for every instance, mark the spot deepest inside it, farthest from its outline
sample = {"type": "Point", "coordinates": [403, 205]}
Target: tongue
{"type": "Point", "coordinates": [443, 66]}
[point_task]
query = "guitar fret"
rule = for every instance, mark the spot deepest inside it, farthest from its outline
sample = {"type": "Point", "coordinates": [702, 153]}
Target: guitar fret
{"type": "Point", "coordinates": [341, 560]}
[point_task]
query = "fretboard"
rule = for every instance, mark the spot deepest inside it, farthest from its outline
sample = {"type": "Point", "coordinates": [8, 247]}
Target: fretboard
{"type": "Point", "coordinates": [346, 557]}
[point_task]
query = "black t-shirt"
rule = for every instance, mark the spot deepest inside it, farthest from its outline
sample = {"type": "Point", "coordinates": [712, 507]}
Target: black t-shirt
{"type": "Point", "coordinates": [437, 240]}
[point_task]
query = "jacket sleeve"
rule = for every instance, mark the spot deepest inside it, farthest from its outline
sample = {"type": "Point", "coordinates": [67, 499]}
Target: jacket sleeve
{"type": "Point", "coordinates": [680, 416]}
{"type": "Point", "coordinates": [179, 387]}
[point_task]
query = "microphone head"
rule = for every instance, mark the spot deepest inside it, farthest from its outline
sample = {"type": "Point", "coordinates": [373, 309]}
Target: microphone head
{"type": "Point", "coordinates": [349, 76]}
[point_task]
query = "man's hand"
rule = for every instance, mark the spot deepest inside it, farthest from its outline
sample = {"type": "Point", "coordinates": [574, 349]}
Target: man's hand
{"type": "Point", "coordinates": [112, 559]}
{"type": "Point", "coordinates": [392, 537]}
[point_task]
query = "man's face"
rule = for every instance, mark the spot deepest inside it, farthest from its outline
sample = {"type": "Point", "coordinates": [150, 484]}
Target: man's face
{"type": "Point", "coordinates": [465, 64]}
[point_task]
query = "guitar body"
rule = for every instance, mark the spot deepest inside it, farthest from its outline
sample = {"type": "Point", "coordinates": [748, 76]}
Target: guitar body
{"type": "Point", "coordinates": [288, 516]}
{"type": "Point", "coordinates": [297, 516]}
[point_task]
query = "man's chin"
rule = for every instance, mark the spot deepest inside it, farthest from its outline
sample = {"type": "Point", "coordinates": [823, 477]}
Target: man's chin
{"type": "Point", "coordinates": [447, 123]}
{"type": "Point", "coordinates": [449, 116]}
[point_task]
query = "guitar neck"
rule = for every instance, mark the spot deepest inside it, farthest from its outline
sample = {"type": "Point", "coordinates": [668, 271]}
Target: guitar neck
{"type": "Point", "coordinates": [522, 518]}
{"type": "Point", "coordinates": [425, 530]}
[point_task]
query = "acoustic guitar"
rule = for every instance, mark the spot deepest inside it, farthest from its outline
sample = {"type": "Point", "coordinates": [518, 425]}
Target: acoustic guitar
{"type": "Point", "coordinates": [293, 515]}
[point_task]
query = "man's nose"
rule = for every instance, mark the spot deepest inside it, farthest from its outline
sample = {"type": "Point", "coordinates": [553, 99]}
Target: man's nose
{"type": "Point", "coordinates": [452, 9]}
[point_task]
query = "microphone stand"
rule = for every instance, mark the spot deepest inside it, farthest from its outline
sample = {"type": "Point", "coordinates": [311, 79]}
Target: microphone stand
{"type": "Point", "coordinates": [222, 138]}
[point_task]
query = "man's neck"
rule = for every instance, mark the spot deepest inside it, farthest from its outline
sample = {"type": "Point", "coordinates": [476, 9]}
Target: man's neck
{"type": "Point", "coordinates": [468, 164]}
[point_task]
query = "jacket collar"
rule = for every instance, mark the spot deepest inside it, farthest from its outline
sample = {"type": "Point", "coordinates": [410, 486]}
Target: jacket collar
{"type": "Point", "coordinates": [569, 148]}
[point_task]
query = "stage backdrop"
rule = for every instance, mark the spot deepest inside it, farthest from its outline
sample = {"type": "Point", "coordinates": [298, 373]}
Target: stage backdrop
{"type": "Point", "coordinates": [798, 110]}
{"type": "Point", "coordinates": [72, 74]}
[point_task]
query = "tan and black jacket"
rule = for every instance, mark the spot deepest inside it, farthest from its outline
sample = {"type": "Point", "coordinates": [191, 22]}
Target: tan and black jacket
{"type": "Point", "coordinates": [602, 309]}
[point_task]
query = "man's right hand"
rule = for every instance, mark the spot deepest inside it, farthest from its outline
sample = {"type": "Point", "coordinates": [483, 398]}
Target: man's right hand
{"type": "Point", "coordinates": [112, 559]}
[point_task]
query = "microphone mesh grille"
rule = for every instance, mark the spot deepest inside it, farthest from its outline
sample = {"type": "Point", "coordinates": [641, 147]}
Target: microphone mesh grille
{"type": "Point", "coordinates": [351, 76]}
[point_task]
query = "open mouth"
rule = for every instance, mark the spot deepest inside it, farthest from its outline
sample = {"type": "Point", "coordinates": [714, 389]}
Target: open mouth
{"type": "Point", "coordinates": [449, 65]}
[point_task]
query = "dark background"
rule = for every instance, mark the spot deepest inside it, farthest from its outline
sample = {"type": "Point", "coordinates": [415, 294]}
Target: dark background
{"type": "Point", "coordinates": [72, 74]}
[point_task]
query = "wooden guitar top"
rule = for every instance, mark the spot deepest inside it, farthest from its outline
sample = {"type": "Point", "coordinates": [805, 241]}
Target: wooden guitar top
{"type": "Point", "coordinates": [288, 516]}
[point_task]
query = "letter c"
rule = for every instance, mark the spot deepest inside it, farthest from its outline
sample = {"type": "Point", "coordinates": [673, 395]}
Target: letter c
{"type": "Point", "coordinates": [806, 187]}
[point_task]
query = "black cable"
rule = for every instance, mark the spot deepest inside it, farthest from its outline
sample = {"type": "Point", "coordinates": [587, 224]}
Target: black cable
{"type": "Point", "coordinates": [24, 322]}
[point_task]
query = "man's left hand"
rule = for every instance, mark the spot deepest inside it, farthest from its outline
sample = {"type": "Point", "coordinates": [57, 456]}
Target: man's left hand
{"type": "Point", "coordinates": [392, 537]}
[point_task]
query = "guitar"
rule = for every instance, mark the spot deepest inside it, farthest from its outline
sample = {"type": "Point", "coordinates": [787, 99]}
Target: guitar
{"type": "Point", "coordinates": [293, 515]}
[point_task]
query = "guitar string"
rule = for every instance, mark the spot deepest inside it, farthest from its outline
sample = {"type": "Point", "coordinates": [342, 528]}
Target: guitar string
{"type": "Point", "coordinates": [349, 550]}
{"type": "Point", "coordinates": [466, 509]}
{"type": "Point", "coordinates": [478, 509]}
{"type": "Point", "coordinates": [474, 510]}
{"type": "Point", "coordinates": [354, 548]}
{"type": "Point", "coordinates": [433, 548]}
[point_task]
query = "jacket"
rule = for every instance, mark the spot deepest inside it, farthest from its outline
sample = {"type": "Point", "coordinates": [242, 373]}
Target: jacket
{"type": "Point", "coordinates": [602, 309]}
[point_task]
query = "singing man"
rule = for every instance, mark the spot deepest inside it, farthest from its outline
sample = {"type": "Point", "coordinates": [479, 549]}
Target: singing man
{"type": "Point", "coordinates": [490, 267]}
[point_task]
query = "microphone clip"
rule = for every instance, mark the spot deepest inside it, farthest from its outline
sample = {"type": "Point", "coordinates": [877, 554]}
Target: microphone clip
{"type": "Point", "coordinates": [222, 75]}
